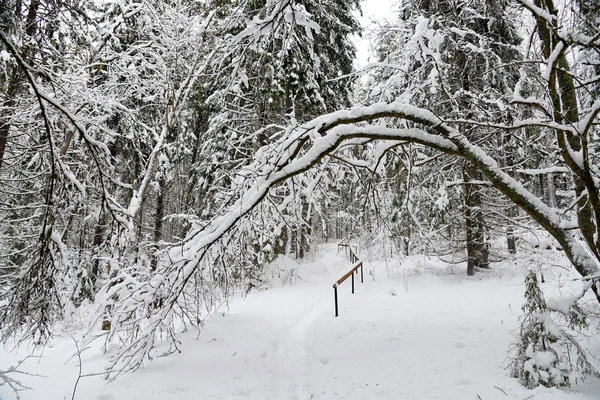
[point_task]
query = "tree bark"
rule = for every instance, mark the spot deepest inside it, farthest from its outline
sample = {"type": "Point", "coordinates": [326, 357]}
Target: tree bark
{"type": "Point", "coordinates": [4, 128]}
{"type": "Point", "coordinates": [551, 190]}
{"type": "Point", "coordinates": [158, 221]}
{"type": "Point", "coordinates": [477, 253]}
{"type": "Point", "coordinates": [563, 94]}
{"type": "Point", "coordinates": [30, 24]}
{"type": "Point", "coordinates": [5, 119]}
{"type": "Point", "coordinates": [511, 242]}
{"type": "Point", "coordinates": [469, 228]}
{"type": "Point", "coordinates": [99, 233]}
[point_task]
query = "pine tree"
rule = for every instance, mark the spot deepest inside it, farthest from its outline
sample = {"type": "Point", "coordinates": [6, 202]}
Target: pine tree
{"type": "Point", "coordinates": [546, 354]}
{"type": "Point", "coordinates": [458, 59]}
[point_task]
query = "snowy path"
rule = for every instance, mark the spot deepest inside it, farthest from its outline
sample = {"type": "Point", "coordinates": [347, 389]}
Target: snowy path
{"type": "Point", "coordinates": [426, 336]}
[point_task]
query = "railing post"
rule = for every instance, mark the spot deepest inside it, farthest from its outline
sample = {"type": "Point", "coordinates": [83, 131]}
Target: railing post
{"type": "Point", "coordinates": [335, 299]}
{"type": "Point", "coordinates": [361, 273]}
{"type": "Point", "coordinates": [356, 263]}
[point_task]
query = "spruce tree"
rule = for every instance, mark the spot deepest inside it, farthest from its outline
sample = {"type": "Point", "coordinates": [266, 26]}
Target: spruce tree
{"type": "Point", "coordinates": [292, 73]}
{"type": "Point", "coordinates": [454, 58]}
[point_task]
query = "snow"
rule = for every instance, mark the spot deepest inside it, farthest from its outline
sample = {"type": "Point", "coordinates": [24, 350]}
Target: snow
{"type": "Point", "coordinates": [538, 11]}
{"type": "Point", "coordinates": [541, 171]}
{"type": "Point", "coordinates": [562, 304]}
{"type": "Point", "coordinates": [442, 201]}
{"type": "Point", "coordinates": [417, 329]}
{"type": "Point", "coordinates": [586, 121]}
{"type": "Point", "coordinates": [553, 330]}
{"type": "Point", "coordinates": [542, 359]}
{"type": "Point", "coordinates": [556, 53]}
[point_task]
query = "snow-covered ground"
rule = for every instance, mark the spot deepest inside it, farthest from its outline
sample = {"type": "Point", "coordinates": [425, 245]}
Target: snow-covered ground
{"type": "Point", "coordinates": [413, 330]}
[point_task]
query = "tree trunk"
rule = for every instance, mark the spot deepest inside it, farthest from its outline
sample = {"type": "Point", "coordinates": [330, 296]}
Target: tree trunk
{"type": "Point", "coordinates": [31, 24]}
{"type": "Point", "coordinates": [561, 87]}
{"type": "Point", "coordinates": [511, 242]}
{"type": "Point", "coordinates": [477, 253]}
{"type": "Point", "coordinates": [506, 160]}
{"type": "Point", "coordinates": [5, 117]}
{"type": "Point", "coordinates": [305, 229]}
{"type": "Point", "coordinates": [468, 222]}
{"type": "Point", "coordinates": [283, 248]}
{"type": "Point", "coordinates": [99, 232]}
{"type": "Point", "coordinates": [4, 128]}
{"type": "Point", "coordinates": [551, 188]}
{"type": "Point", "coordinates": [158, 221]}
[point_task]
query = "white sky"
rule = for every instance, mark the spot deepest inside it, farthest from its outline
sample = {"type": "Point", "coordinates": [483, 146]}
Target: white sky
{"type": "Point", "coordinates": [373, 10]}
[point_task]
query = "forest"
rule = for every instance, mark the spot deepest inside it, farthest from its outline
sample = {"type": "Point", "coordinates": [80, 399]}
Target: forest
{"type": "Point", "coordinates": [156, 156]}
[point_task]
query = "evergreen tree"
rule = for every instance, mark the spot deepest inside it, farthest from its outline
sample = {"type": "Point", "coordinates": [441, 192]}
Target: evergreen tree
{"type": "Point", "coordinates": [454, 59]}
{"type": "Point", "coordinates": [547, 355]}
{"type": "Point", "coordinates": [288, 74]}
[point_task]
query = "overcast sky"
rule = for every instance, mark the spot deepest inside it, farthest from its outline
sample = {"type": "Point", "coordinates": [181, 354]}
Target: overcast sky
{"type": "Point", "coordinates": [372, 10]}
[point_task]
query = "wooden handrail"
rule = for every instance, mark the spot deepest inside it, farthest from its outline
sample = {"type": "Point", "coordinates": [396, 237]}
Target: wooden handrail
{"type": "Point", "coordinates": [357, 263]}
{"type": "Point", "coordinates": [343, 278]}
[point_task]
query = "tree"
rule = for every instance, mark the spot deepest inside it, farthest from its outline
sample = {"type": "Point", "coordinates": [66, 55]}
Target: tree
{"type": "Point", "coordinates": [139, 106]}
{"type": "Point", "coordinates": [456, 59]}
{"type": "Point", "coordinates": [547, 353]}
{"type": "Point", "coordinates": [289, 72]}
{"type": "Point", "coordinates": [124, 119]}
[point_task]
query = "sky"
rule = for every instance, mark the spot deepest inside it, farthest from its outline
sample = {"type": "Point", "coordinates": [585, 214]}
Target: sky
{"type": "Point", "coordinates": [372, 10]}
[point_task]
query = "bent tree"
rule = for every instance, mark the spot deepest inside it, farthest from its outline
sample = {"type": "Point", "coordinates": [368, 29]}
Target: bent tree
{"type": "Point", "coordinates": [560, 102]}
{"type": "Point", "coordinates": [553, 95]}
{"type": "Point", "coordinates": [563, 109]}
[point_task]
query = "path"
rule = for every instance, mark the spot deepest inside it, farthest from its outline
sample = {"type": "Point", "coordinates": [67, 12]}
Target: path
{"type": "Point", "coordinates": [426, 336]}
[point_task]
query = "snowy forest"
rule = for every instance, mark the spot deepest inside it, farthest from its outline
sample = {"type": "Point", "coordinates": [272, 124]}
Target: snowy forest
{"type": "Point", "coordinates": [159, 158]}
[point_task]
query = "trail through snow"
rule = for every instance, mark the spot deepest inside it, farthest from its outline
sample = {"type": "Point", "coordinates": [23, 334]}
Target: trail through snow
{"type": "Point", "coordinates": [414, 330]}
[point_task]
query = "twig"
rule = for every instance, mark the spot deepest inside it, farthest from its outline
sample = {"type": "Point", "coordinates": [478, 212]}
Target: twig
{"type": "Point", "coordinates": [13, 383]}
{"type": "Point", "coordinates": [80, 368]}
{"type": "Point", "coordinates": [502, 390]}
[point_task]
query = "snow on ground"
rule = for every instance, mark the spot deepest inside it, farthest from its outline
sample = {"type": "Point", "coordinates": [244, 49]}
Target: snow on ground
{"type": "Point", "coordinates": [414, 330]}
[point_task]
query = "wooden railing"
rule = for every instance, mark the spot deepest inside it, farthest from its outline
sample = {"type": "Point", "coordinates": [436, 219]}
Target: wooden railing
{"type": "Point", "coordinates": [356, 264]}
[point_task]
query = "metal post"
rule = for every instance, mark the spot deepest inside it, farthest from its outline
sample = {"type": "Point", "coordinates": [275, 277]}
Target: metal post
{"type": "Point", "coordinates": [335, 297]}
{"type": "Point", "coordinates": [361, 273]}
{"type": "Point", "coordinates": [353, 283]}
